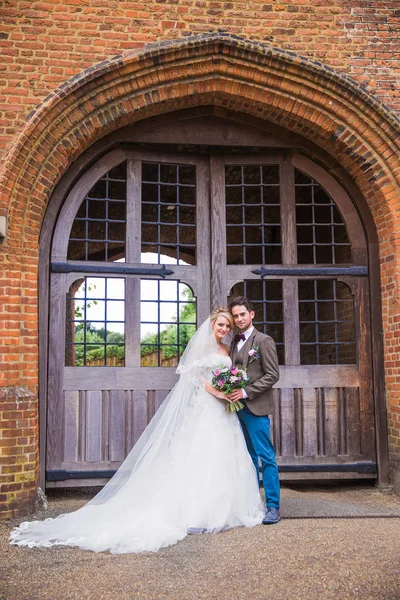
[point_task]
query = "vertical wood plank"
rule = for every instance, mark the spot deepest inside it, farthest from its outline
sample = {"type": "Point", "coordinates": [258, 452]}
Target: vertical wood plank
{"type": "Point", "coordinates": [298, 421]}
{"type": "Point", "coordinates": [320, 398]}
{"type": "Point", "coordinates": [105, 420]}
{"type": "Point", "coordinates": [160, 396]}
{"type": "Point", "coordinates": [82, 427]}
{"type": "Point", "coordinates": [93, 426]}
{"type": "Point", "coordinates": [139, 413]}
{"type": "Point", "coordinates": [310, 446]}
{"type": "Point", "coordinates": [117, 424]}
{"type": "Point", "coordinates": [331, 422]}
{"type": "Point", "coordinates": [287, 423]}
{"type": "Point", "coordinates": [128, 403]}
{"type": "Point", "coordinates": [353, 421]}
{"type": "Point", "coordinates": [150, 405]}
{"type": "Point", "coordinates": [342, 422]}
{"type": "Point", "coordinates": [71, 426]}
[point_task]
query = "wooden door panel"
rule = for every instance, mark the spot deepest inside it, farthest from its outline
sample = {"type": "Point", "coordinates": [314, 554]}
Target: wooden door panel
{"type": "Point", "coordinates": [101, 427]}
{"type": "Point", "coordinates": [319, 425]}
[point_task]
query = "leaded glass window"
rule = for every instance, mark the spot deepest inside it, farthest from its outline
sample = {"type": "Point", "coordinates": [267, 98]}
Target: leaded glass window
{"type": "Point", "coordinates": [98, 232]}
{"type": "Point", "coordinates": [321, 232]}
{"type": "Point", "coordinates": [167, 321]}
{"type": "Point", "coordinates": [267, 300]}
{"type": "Point", "coordinates": [327, 323]}
{"type": "Point", "coordinates": [253, 222]}
{"type": "Point", "coordinates": [95, 325]}
{"type": "Point", "coordinates": [169, 212]}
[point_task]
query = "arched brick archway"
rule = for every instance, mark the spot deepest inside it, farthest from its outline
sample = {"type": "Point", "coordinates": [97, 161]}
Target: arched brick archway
{"type": "Point", "coordinates": [298, 94]}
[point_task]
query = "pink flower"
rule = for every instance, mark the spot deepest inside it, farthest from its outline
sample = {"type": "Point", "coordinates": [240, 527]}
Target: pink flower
{"type": "Point", "coordinates": [220, 382]}
{"type": "Point", "coordinates": [234, 371]}
{"type": "Point", "coordinates": [217, 372]}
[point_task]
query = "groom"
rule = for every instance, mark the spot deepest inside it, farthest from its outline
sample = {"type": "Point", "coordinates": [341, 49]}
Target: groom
{"type": "Point", "coordinates": [257, 352]}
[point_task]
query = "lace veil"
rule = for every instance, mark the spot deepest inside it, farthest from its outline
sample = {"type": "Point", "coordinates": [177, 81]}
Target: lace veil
{"type": "Point", "coordinates": [169, 416]}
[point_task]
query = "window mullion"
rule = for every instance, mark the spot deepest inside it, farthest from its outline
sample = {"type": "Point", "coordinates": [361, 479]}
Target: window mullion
{"type": "Point", "coordinates": [133, 253]}
{"type": "Point", "coordinates": [218, 231]}
{"type": "Point", "coordinates": [133, 211]}
{"type": "Point", "coordinates": [288, 213]}
{"type": "Point", "coordinates": [289, 257]}
{"type": "Point", "coordinates": [203, 235]}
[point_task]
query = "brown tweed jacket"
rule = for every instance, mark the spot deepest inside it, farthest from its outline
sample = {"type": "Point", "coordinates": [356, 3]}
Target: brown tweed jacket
{"type": "Point", "coordinates": [263, 372]}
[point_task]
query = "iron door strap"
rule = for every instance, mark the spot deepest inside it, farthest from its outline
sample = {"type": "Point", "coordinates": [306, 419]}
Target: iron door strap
{"type": "Point", "coordinates": [66, 267]}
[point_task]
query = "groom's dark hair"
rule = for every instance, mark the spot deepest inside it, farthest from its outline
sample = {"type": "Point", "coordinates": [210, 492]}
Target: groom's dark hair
{"type": "Point", "coordinates": [241, 301]}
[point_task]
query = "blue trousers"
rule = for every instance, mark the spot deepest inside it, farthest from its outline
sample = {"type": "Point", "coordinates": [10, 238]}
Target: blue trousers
{"type": "Point", "coordinates": [257, 434]}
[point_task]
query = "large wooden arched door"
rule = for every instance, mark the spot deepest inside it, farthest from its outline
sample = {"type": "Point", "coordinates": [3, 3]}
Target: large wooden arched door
{"type": "Point", "coordinates": [286, 245]}
{"type": "Point", "coordinates": [147, 242]}
{"type": "Point", "coordinates": [130, 279]}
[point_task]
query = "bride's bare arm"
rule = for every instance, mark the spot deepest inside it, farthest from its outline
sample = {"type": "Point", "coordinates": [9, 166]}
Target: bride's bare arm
{"type": "Point", "coordinates": [211, 390]}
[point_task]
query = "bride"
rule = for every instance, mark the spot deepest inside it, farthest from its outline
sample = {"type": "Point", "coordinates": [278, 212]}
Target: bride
{"type": "Point", "coordinates": [189, 472]}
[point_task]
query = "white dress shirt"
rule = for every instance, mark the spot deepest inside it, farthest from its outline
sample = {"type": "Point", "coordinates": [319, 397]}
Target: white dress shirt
{"type": "Point", "coordinates": [239, 346]}
{"type": "Point", "coordinates": [247, 334]}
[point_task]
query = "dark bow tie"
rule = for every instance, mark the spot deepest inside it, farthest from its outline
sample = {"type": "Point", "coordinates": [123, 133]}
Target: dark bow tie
{"type": "Point", "coordinates": [239, 336]}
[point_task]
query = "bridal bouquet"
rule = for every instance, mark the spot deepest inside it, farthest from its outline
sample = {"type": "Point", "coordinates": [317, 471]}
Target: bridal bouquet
{"type": "Point", "coordinates": [227, 379]}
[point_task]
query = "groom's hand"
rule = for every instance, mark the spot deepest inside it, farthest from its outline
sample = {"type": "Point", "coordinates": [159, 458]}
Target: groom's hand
{"type": "Point", "coordinates": [235, 395]}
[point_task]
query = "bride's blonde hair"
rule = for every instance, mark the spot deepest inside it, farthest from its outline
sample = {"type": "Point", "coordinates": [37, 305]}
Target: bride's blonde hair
{"type": "Point", "coordinates": [221, 311]}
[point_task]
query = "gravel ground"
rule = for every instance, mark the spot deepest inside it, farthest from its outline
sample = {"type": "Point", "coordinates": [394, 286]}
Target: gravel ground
{"type": "Point", "coordinates": [331, 558]}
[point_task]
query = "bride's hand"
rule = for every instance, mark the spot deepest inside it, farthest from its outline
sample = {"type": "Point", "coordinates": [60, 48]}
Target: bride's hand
{"type": "Point", "coordinates": [217, 394]}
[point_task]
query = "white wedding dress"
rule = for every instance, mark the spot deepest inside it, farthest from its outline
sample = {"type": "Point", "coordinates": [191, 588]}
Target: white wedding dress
{"type": "Point", "coordinates": [189, 472]}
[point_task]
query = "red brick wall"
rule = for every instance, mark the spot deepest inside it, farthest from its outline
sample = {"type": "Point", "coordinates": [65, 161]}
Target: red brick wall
{"type": "Point", "coordinates": [46, 43]}
{"type": "Point", "coordinates": [18, 451]}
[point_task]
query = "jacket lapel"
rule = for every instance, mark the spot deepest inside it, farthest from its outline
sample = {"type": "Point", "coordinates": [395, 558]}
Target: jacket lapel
{"type": "Point", "coordinates": [233, 349]}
